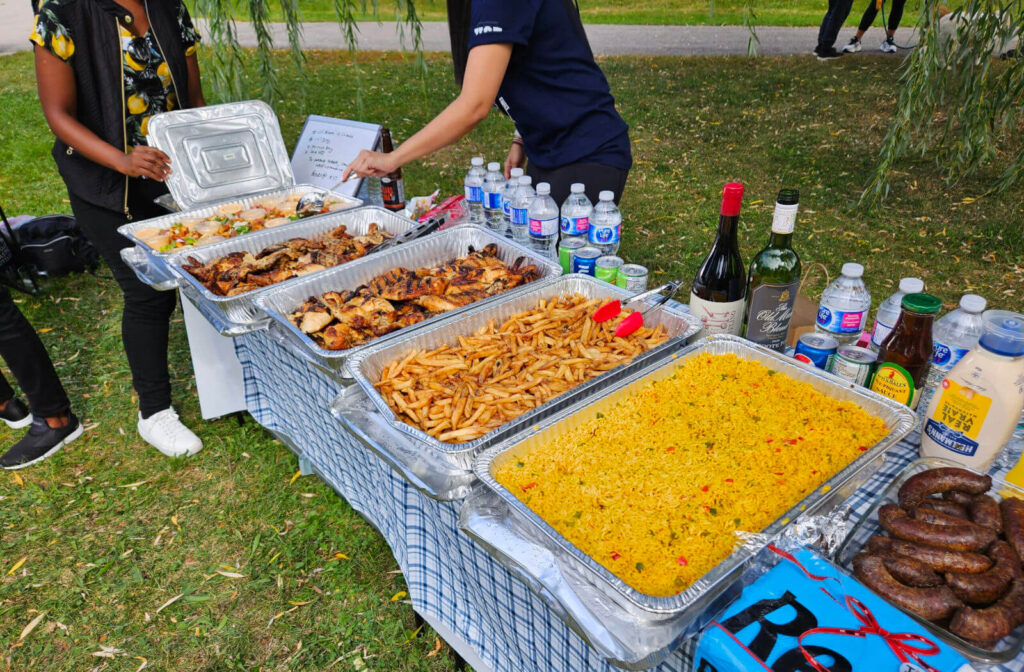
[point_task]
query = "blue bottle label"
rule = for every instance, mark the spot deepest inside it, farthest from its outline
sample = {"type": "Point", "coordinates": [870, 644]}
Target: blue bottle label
{"type": "Point", "coordinates": [841, 322]}
{"type": "Point", "coordinates": [520, 217]}
{"type": "Point", "coordinates": [950, 439]}
{"type": "Point", "coordinates": [603, 235]}
{"type": "Point", "coordinates": [506, 207]}
{"type": "Point", "coordinates": [575, 226]}
{"type": "Point", "coordinates": [475, 194]}
{"type": "Point", "coordinates": [492, 200]}
{"type": "Point", "coordinates": [946, 357]}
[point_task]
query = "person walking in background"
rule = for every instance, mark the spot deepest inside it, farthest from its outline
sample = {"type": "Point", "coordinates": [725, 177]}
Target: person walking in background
{"type": "Point", "coordinates": [103, 69]}
{"type": "Point", "coordinates": [870, 12]}
{"type": "Point", "coordinates": [52, 424]}
{"type": "Point", "coordinates": [834, 19]}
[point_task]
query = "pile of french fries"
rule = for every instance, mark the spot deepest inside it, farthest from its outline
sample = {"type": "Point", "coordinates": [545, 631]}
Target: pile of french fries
{"type": "Point", "coordinates": [458, 393]}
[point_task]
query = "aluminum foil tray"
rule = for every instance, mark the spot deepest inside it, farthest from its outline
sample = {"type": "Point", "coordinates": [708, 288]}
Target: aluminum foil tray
{"type": "Point", "coordinates": [899, 420]}
{"type": "Point", "coordinates": [1009, 647]}
{"type": "Point", "coordinates": [278, 302]}
{"type": "Point", "coordinates": [366, 366]}
{"type": "Point", "coordinates": [157, 268]}
{"type": "Point", "coordinates": [241, 309]}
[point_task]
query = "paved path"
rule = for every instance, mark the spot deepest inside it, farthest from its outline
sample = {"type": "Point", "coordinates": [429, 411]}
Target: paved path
{"type": "Point", "coordinates": [16, 22]}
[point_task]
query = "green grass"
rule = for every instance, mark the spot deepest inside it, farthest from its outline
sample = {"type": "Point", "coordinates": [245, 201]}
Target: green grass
{"type": "Point", "coordinates": [654, 12]}
{"type": "Point", "coordinates": [110, 530]}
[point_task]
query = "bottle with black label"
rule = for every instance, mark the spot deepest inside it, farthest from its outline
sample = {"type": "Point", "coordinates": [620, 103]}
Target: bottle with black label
{"type": "Point", "coordinates": [774, 278]}
{"type": "Point", "coordinates": [392, 190]}
{"type": "Point", "coordinates": [721, 282]}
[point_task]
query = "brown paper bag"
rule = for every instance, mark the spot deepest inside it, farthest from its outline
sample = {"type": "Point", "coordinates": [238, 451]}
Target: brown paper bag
{"type": "Point", "coordinates": [805, 311]}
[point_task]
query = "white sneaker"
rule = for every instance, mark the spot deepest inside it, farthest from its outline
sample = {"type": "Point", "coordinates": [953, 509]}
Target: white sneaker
{"type": "Point", "coordinates": [165, 432]}
{"type": "Point", "coordinates": [853, 46]}
{"type": "Point", "coordinates": [888, 46]}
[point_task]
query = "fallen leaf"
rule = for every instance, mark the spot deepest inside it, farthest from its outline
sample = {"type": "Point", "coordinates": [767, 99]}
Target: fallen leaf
{"type": "Point", "coordinates": [31, 626]}
{"type": "Point", "coordinates": [170, 602]}
{"type": "Point", "coordinates": [398, 596]}
{"type": "Point", "coordinates": [44, 330]}
{"type": "Point", "coordinates": [17, 566]}
{"type": "Point", "coordinates": [437, 648]}
{"type": "Point", "coordinates": [18, 479]}
{"type": "Point", "coordinates": [295, 477]}
{"type": "Point", "coordinates": [412, 635]}
{"type": "Point", "coordinates": [231, 575]}
{"type": "Point", "coordinates": [135, 484]}
{"type": "Point", "coordinates": [143, 665]}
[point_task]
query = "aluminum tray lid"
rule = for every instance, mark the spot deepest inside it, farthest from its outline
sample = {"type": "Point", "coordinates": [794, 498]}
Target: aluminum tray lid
{"type": "Point", "coordinates": [898, 419]}
{"type": "Point", "coordinates": [221, 151]}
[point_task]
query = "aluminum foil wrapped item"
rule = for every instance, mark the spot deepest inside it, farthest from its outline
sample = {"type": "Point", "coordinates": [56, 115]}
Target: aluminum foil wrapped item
{"type": "Point", "coordinates": [801, 612]}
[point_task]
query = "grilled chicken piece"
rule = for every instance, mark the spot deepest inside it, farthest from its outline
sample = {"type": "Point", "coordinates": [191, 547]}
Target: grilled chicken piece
{"type": "Point", "coordinates": [341, 337]}
{"type": "Point", "coordinates": [400, 284]}
{"type": "Point", "coordinates": [314, 321]}
{"type": "Point", "coordinates": [439, 304]}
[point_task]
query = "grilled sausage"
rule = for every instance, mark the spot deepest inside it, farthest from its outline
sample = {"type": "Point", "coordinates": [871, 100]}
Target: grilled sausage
{"type": "Point", "coordinates": [910, 571]}
{"type": "Point", "coordinates": [985, 512]}
{"type": "Point", "coordinates": [988, 586]}
{"type": "Point", "coordinates": [949, 508]}
{"type": "Point", "coordinates": [964, 536]}
{"type": "Point", "coordinates": [939, 559]}
{"type": "Point", "coordinates": [986, 627]}
{"type": "Point", "coordinates": [938, 517]}
{"type": "Point", "coordinates": [933, 604]}
{"type": "Point", "coordinates": [1012, 510]}
{"type": "Point", "coordinates": [957, 497]}
{"type": "Point", "coordinates": [917, 487]}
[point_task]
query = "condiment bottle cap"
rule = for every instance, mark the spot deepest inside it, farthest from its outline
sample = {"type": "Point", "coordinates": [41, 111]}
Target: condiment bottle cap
{"type": "Point", "coordinates": [852, 270]}
{"type": "Point", "coordinates": [972, 303]}
{"type": "Point", "coordinates": [1004, 333]}
{"type": "Point", "coordinates": [924, 304]}
{"type": "Point", "coordinates": [911, 285]}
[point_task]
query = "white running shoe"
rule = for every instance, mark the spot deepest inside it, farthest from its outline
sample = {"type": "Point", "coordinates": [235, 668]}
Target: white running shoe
{"type": "Point", "coordinates": [853, 46]}
{"type": "Point", "coordinates": [165, 432]}
{"type": "Point", "coordinates": [888, 46]}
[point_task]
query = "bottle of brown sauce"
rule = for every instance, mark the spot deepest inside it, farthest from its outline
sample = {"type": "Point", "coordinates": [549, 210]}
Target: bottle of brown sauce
{"type": "Point", "coordinates": [906, 353]}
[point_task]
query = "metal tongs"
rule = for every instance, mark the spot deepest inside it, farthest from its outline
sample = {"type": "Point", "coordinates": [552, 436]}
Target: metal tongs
{"type": "Point", "coordinates": [312, 202]}
{"type": "Point", "coordinates": [418, 231]}
{"type": "Point", "coordinates": [635, 320]}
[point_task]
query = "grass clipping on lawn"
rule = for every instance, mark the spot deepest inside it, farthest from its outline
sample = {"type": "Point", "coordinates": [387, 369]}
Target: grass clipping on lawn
{"type": "Point", "coordinates": [655, 488]}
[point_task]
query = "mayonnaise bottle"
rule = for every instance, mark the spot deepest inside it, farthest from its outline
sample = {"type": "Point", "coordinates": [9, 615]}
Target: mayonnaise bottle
{"type": "Point", "coordinates": [976, 406]}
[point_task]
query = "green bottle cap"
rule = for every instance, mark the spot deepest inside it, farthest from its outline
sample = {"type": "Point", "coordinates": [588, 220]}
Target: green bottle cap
{"type": "Point", "coordinates": [924, 304]}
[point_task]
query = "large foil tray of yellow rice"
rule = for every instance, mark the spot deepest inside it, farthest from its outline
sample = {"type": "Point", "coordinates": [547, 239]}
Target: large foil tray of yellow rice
{"type": "Point", "coordinates": [644, 489]}
{"type": "Point", "coordinates": [443, 470]}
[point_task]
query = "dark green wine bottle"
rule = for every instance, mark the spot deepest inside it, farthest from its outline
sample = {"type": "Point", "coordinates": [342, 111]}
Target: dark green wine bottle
{"type": "Point", "coordinates": [774, 278]}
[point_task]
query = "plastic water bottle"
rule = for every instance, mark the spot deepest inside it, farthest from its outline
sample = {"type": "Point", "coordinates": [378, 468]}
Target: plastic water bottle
{"type": "Point", "coordinates": [576, 213]}
{"type": "Point", "coordinates": [844, 306]}
{"type": "Point", "coordinates": [605, 228]}
{"type": "Point", "coordinates": [953, 336]}
{"type": "Point", "coordinates": [475, 190]}
{"type": "Point", "coordinates": [507, 194]}
{"type": "Point", "coordinates": [885, 319]}
{"type": "Point", "coordinates": [520, 209]}
{"type": "Point", "coordinates": [543, 212]}
{"type": "Point", "coordinates": [494, 182]}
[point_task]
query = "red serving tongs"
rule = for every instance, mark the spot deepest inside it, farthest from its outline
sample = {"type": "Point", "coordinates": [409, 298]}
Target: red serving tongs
{"type": "Point", "coordinates": [634, 320]}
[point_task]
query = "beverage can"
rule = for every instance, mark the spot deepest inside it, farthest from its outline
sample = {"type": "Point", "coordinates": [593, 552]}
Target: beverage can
{"type": "Point", "coordinates": [854, 364]}
{"type": "Point", "coordinates": [816, 350]}
{"type": "Point", "coordinates": [607, 268]}
{"type": "Point", "coordinates": [632, 277]}
{"type": "Point", "coordinates": [585, 260]}
{"type": "Point", "coordinates": [566, 250]}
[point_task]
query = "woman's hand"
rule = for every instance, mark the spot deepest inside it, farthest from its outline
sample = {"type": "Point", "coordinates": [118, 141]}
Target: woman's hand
{"type": "Point", "coordinates": [371, 164]}
{"type": "Point", "coordinates": [143, 161]}
{"type": "Point", "coordinates": [516, 158]}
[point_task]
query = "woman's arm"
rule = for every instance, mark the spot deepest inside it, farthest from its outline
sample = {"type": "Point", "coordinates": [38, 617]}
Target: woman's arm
{"type": "Point", "coordinates": [484, 72]}
{"type": "Point", "coordinates": [195, 85]}
{"type": "Point", "coordinates": [58, 97]}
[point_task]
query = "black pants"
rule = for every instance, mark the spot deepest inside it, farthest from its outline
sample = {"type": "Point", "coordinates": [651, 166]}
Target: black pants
{"type": "Point", "coordinates": [596, 176]}
{"type": "Point", "coordinates": [145, 322]}
{"type": "Point", "coordinates": [871, 11]}
{"type": "Point", "coordinates": [834, 19]}
{"type": "Point", "coordinates": [24, 353]}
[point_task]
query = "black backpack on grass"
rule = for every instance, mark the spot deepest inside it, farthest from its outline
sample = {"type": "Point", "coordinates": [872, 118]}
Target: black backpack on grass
{"type": "Point", "coordinates": [51, 245]}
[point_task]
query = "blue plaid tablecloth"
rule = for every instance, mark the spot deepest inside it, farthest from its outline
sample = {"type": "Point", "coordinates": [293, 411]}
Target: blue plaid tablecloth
{"type": "Point", "coordinates": [450, 578]}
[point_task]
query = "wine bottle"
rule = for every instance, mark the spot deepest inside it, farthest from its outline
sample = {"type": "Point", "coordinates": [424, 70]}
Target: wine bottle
{"type": "Point", "coordinates": [392, 189]}
{"type": "Point", "coordinates": [774, 279]}
{"type": "Point", "coordinates": [720, 285]}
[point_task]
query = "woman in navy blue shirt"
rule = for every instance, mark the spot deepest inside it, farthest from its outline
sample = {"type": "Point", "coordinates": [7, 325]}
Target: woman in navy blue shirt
{"type": "Point", "coordinates": [531, 58]}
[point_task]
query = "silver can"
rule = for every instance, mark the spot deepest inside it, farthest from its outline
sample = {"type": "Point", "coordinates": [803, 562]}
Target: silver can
{"type": "Point", "coordinates": [854, 364]}
{"type": "Point", "coordinates": [632, 277]}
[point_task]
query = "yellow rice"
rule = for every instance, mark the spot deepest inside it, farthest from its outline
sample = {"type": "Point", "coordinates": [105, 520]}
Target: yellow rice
{"type": "Point", "coordinates": [654, 488]}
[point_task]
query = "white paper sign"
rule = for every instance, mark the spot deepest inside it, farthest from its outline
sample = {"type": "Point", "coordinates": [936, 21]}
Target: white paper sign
{"type": "Point", "coordinates": [326, 146]}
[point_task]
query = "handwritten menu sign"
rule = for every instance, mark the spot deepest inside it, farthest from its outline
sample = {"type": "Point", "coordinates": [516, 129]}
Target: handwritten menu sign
{"type": "Point", "coordinates": [326, 146]}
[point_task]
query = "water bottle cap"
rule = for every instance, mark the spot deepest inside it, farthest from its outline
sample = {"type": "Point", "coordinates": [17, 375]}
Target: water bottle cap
{"type": "Point", "coordinates": [852, 270]}
{"type": "Point", "coordinates": [543, 189]}
{"type": "Point", "coordinates": [607, 195]}
{"type": "Point", "coordinates": [516, 172]}
{"type": "Point", "coordinates": [476, 161]}
{"type": "Point", "coordinates": [972, 303]}
{"type": "Point", "coordinates": [493, 166]}
{"type": "Point", "coordinates": [923, 304]}
{"type": "Point", "coordinates": [911, 285]}
{"type": "Point", "coordinates": [1004, 333]}
{"type": "Point", "coordinates": [525, 179]}
{"type": "Point", "coordinates": [578, 188]}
